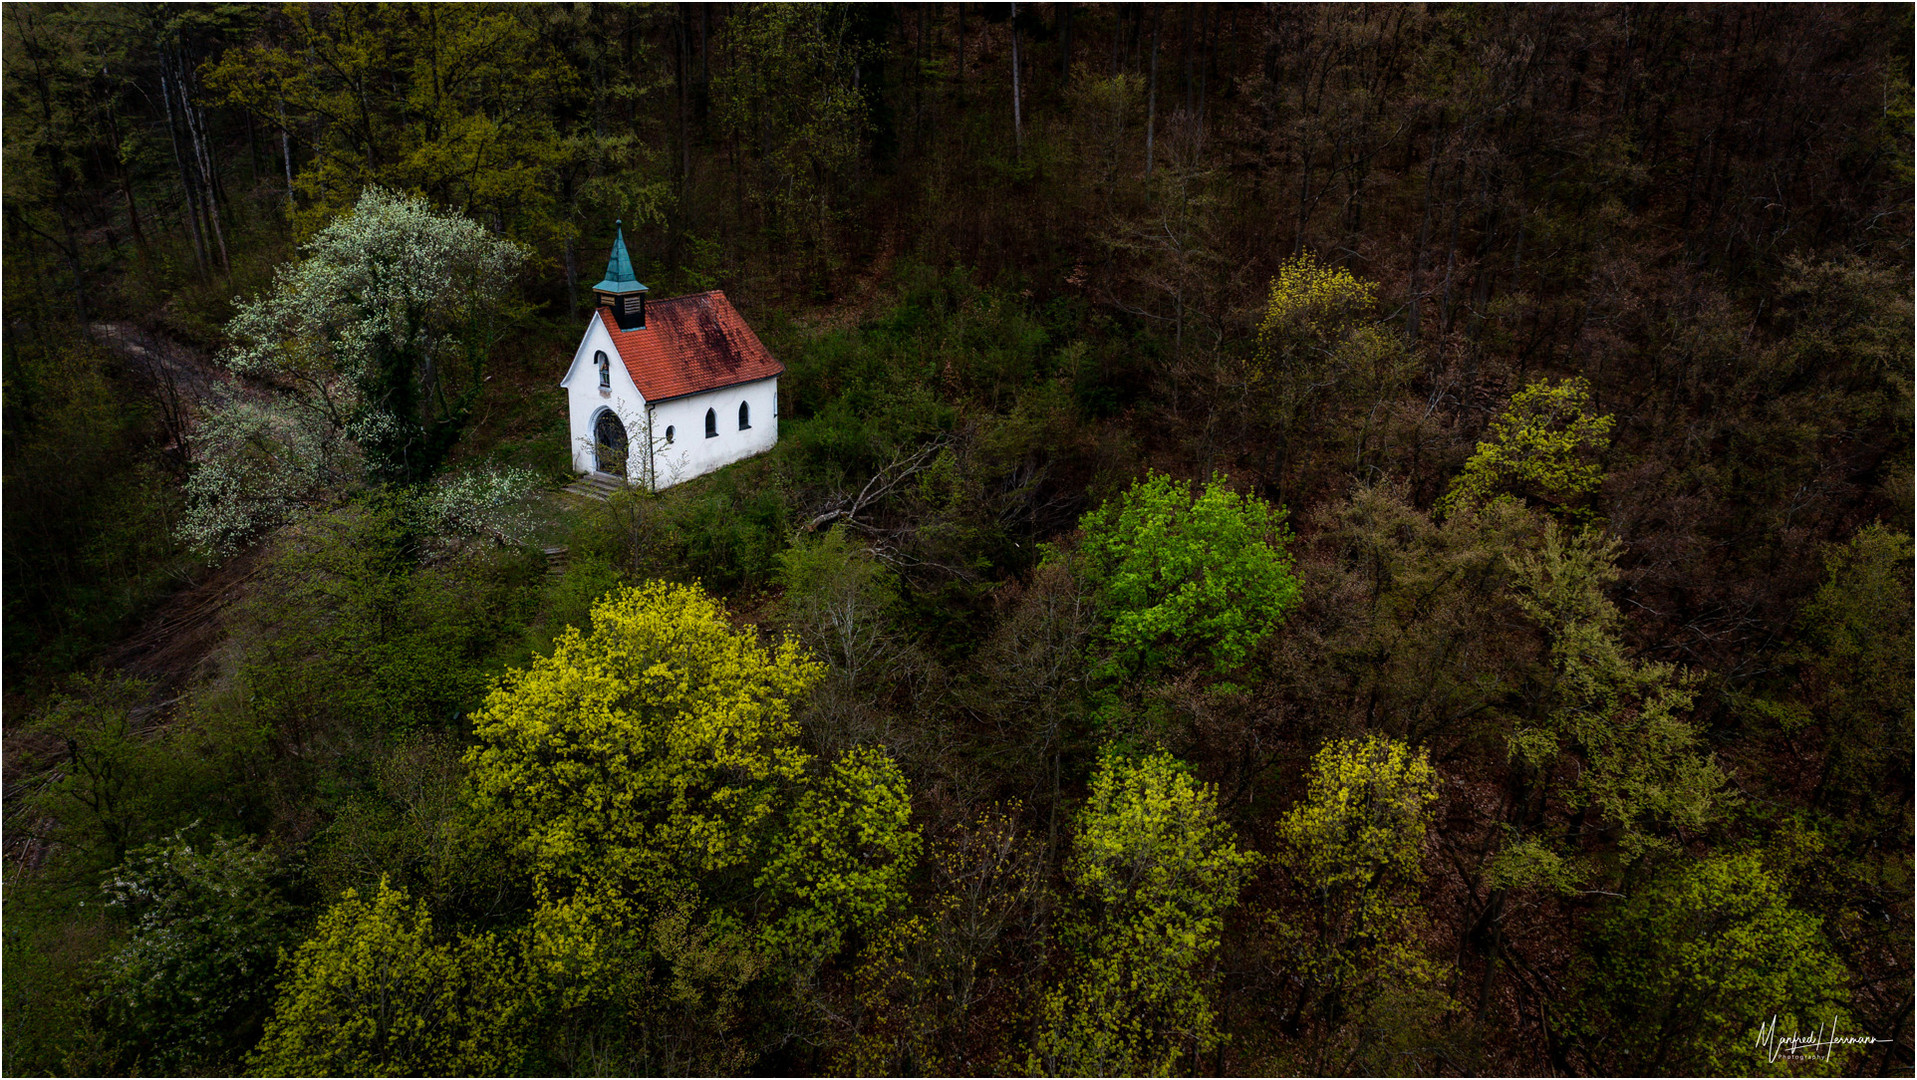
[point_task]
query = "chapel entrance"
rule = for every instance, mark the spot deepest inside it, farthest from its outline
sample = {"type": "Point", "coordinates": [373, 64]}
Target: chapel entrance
{"type": "Point", "coordinates": [609, 444]}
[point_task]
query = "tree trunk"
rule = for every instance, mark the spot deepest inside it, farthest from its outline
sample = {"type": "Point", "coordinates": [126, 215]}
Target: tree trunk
{"type": "Point", "coordinates": [961, 52]}
{"type": "Point", "coordinates": [1424, 236]}
{"type": "Point", "coordinates": [685, 92]}
{"type": "Point", "coordinates": [1064, 44]}
{"type": "Point", "coordinates": [1151, 109]}
{"type": "Point", "coordinates": [196, 132]}
{"type": "Point", "coordinates": [572, 281]}
{"type": "Point", "coordinates": [1208, 64]}
{"type": "Point", "coordinates": [1184, 48]}
{"type": "Point", "coordinates": [126, 184]}
{"type": "Point", "coordinates": [179, 162]}
{"type": "Point", "coordinates": [1018, 128]}
{"type": "Point", "coordinates": [286, 154]}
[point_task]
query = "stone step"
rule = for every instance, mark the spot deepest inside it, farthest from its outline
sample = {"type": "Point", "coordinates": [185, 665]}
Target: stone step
{"type": "Point", "coordinates": [557, 559]}
{"type": "Point", "coordinates": [596, 486]}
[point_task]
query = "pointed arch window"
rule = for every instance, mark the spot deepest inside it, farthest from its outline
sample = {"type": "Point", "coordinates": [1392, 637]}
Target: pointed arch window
{"type": "Point", "coordinates": [712, 424]}
{"type": "Point", "coordinates": [605, 369]}
{"type": "Point", "coordinates": [745, 416]}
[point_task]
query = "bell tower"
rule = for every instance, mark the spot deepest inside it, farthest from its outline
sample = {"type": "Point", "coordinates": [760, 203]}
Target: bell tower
{"type": "Point", "coordinates": [620, 290]}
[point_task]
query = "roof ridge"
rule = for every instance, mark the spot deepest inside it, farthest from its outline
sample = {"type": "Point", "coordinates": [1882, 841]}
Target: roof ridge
{"type": "Point", "coordinates": [691, 348]}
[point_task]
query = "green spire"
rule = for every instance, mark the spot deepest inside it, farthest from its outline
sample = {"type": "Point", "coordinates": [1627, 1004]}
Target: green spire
{"type": "Point", "coordinates": [619, 276]}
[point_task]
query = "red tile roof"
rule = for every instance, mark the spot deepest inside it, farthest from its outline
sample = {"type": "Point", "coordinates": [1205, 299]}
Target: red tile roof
{"type": "Point", "coordinates": [690, 344]}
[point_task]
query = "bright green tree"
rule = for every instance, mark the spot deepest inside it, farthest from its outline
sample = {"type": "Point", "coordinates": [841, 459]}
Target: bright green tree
{"type": "Point", "coordinates": [1154, 869]}
{"type": "Point", "coordinates": [1684, 972]}
{"type": "Point", "coordinates": [1184, 577]}
{"type": "Point", "coordinates": [373, 993]}
{"type": "Point", "coordinates": [1541, 448]}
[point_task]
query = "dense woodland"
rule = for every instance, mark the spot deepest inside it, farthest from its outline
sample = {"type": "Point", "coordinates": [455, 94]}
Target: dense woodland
{"type": "Point", "coordinates": [1332, 540]}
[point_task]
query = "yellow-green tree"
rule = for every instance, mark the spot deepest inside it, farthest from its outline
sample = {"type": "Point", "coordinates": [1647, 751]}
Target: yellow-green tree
{"type": "Point", "coordinates": [373, 993]}
{"type": "Point", "coordinates": [647, 753]}
{"type": "Point", "coordinates": [1324, 371]}
{"type": "Point", "coordinates": [1352, 850]}
{"type": "Point", "coordinates": [1856, 660]}
{"type": "Point", "coordinates": [1638, 763]}
{"type": "Point", "coordinates": [1355, 843]}
{"type": "Point", "coordinates": [1541, 448]}
{"type": "Point", "coordinates": [676, 832]}
{"type": "Point", "coordinates": [1154, 870]}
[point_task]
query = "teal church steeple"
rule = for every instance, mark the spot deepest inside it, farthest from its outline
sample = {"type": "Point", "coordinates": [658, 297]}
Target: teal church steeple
{"type": "Point", "coordinates": [621, 290]}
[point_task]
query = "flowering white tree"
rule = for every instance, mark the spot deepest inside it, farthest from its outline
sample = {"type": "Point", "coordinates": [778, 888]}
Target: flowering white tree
{"type": "Point", "coordinates": [254, 462]}
{"type": "Point", "coordinates": [488, 503]}
{"type": "Point", "coordinates": [384, 327]}
{"type": "Point", "coordinates": [371, 351]}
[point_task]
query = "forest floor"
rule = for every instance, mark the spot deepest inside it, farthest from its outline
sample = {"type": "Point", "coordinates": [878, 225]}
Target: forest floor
{"type": "Point", "coordinates": [172, 647]}
{"type": "Point", "coordinates": [869, 289]}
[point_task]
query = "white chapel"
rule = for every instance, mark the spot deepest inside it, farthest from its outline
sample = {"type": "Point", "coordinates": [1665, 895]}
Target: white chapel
{"type": "Point", "coordinates": [663, 391]}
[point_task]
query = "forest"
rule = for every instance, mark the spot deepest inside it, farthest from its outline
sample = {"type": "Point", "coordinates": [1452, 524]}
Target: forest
{"type": "Point", "coordinates": [1303, 539]}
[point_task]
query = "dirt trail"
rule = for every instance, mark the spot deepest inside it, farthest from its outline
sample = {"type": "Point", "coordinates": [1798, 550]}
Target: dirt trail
{"type": "Point", "coordinates": [172, 646]}
{"type": "Point", "coordinates": [173, 642]}
{"type": "Point", "coordinates": [158, 358]}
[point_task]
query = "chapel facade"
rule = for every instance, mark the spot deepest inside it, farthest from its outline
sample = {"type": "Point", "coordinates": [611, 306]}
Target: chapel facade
{"type": "Point", "coordinates": [662, 391]}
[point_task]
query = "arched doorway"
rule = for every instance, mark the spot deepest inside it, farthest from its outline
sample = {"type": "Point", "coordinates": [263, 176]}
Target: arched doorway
{"type": "Point", "coordinates": [609, 444]}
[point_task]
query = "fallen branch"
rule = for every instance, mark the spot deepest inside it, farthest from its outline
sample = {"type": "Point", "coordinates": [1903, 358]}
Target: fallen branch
{"type": "Point", "coordinates": [883, 483]}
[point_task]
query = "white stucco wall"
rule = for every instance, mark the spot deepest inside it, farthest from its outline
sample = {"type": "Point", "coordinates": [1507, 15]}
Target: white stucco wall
{"type": "Point", "coordinates": [689, 452]}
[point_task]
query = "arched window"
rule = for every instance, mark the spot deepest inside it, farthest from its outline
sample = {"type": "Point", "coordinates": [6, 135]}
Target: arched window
{"type": "Point", "coordinates": [745, 416]}
{"type": "Point", "coordinates": [668, 434]}
{"type": "Point", "coordinates": [712, 424]}
{"type": "Point", "coordinates": [605, 368]}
